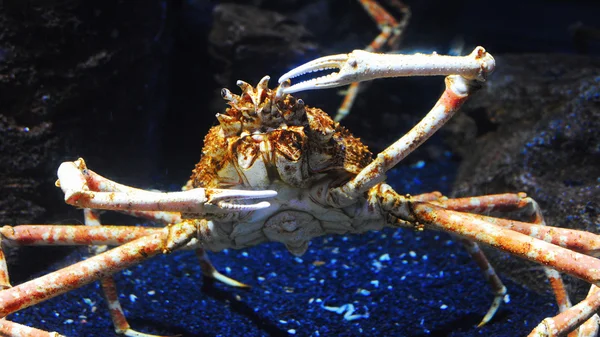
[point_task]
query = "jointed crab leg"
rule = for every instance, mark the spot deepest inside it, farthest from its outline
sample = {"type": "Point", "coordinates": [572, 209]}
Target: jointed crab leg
{"type": "Point", "coordinates": [73, 235]}
{"type": "Point", "coordinates": [96, 267]}
{"type": "Point", "coordinates": [109, 287]}
{"type": "Point", "coordinates": [361, 65]}
{"type": "Point", "coordinates": [8, 328]}
{"type": "Point", "coordinates": [581, 241]}
{"type": "Point", "coordinates": [584, 311]}
{"type": "Point", "coordinates": [576, 240]}
{"type": "Point", "coordinates": [498, 288]}
{"type": "Point", "coordinates": [456, 93]}
{"type": "Point", "coordinates": [473, 227]}
{"type": "Point", "coordinates": [98, 183]}
{"type": "Point", "coordinates": [391, 32]}
{"type": "Point", "coordinates": [74, 177]}
{"type": "Point", "coordinates": [564, 260]}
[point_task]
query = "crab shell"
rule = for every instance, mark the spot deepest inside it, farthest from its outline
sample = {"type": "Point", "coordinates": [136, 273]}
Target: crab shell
{"type": "Point", "coordinates": [270, 140]}
{"type": "Point", "coordinates": [265, 136]}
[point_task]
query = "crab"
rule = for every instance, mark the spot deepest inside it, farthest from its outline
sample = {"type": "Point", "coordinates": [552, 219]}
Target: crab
{"type": "Point", "coordinates": [313, 178]}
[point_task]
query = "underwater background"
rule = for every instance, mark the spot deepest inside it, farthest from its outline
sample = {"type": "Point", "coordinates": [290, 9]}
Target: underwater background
{"type": "Point", "coordinates": [133, 87]}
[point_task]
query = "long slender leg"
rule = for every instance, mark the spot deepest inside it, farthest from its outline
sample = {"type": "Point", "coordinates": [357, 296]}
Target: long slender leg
{"type": "Point", "coordinates": [96, 182]}
{"type": "Point", "coordinates": [507, 202]}
{"type": "Point", "coordinates": [591, 327]}
{"type": "Point", "coordinates": [391, 32]}
{"type": "Point", "coordinates": [518, 201]}
{"type": "Point", "coordinates": [498, 288]}
{"type": "Point", "coordinates": [456, 93]}
{"type": "Point", "coordinates": [582, 314]}
{"type": "Point", "coordinates": [12, 329]}
{"type": "Point", "coordinates": [76, 235]}
{"type": "Point", "coordinates": [109, 287]}
{"type": "Point", "coordinates": [78, 184]}
{"type": "Point", "coordinates": [4, 279]}
{"type": "Point", "coordinates": [473, 227]}
{"type": "Point", "coordinates": [580, 241]}
{"type": "Point", "coordinates": [209, 270]}
{"type": "Point", "coordinates": [59, 282]}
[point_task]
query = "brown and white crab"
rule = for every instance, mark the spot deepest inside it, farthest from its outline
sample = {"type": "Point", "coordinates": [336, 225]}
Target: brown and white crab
{"type": "Point", "coordinates": [318, 180]}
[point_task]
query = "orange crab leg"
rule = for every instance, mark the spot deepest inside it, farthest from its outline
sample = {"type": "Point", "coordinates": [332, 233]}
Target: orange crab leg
{"type": "Point", "coordinates": [12, 329]}
{"type": "Point", "coordinates": [391, 32]}
{"type": "Point", "coordinates": [109, 287]}
{"type": "Point", "coordinates": [572, 318]}
{"type": "Point", "coordinates": [580, 241]}
{"type": "Point", "coordinates": [456, 93]}
{"type": "Point", "coordinates": [577, 240]}
{"type": "Point", "coordinates": [96, 267]}
{"type": "Point", "coordinates": [498, 288]}
{"type": "Point", "coordinates": [558, 287]}
{"type": "Point", "coordinates": [74, 235]}
{"type": "Point", "coordinates": [4, 278]}
{"type": "Point", "coordinates": [505, 202]}
{"type": "Point", "coordinates": [473, 227]}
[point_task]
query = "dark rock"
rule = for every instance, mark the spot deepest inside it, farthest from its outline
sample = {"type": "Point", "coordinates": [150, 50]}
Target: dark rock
{"type": "Point", "coordinates": [535, 127]}
{"type": "Point", "coordinates": [76, 79]}
{"type": "Point", "coordinates": [248, 43]}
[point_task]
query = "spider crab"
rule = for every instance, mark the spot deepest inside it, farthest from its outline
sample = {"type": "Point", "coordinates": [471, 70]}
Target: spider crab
{"type": "Point", "coordinates": [318, 179]}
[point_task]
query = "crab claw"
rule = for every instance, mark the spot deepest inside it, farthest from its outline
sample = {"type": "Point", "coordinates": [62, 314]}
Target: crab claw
{"type": "Point", "coordinates": [361, 65]}
{"type": "Point", "coordinates": [225, 199]}
{"type": "Point", "coordinates": [86, 189]}
{"type": "Point", "coordinates": [329, 81]}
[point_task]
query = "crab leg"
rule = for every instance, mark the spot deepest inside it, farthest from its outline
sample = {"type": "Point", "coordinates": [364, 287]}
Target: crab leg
{"type": "Point", "coordinates": [4, 278]}
{"type": "Point", "coordinates": [109, 287]}
{"type": "Point", "coordinates": [99, 183]}
{"type": "Point", "coordinates": [473, 227]}
{"type": "Point", "coordinates": [581, 241]}
{"type": "Point", "coordinates": [564, 260]}
{"type": "Point", "coordinates": [577, 240]}
{"type": "Point", "coordinates": [498, 288]}
{"type": "Point", "coordinates": [96, 267]}
{"type": "Point", "coordinates": [210, 271]}
{"type": "Point", "coordinates": [457, 91]}
{"type": "Point", "coordinates": [391, 32]}
{"type": "Point", "coordinates": [583, 315]}
{"type": "Point", "coordinates": [361, 65]}
{"type": "Point", "coordinates": [73, 235]}
{"type": "Point", "coordinates": [74, 176]}
{"type": "Point", "coordinates": [12, 329]}
{"type": "Point", "coordinates": [478, 228]}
